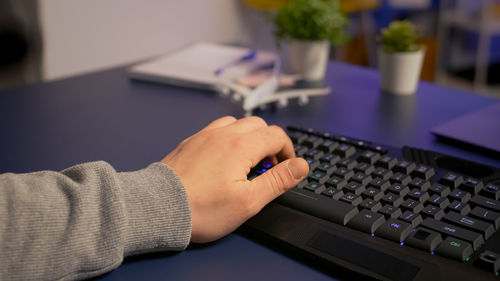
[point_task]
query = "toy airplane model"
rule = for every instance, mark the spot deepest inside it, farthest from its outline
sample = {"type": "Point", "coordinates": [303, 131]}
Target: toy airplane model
{"type": "Point", "coordinates": [265, 93]}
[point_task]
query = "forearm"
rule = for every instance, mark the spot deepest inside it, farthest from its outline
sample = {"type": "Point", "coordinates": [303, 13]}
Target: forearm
{"type": "Point", "coordinates": [82, 221]}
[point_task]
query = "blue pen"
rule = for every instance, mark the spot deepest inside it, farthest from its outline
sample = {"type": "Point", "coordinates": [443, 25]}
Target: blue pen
{"type": "Point", "coordinates": [248, 56]}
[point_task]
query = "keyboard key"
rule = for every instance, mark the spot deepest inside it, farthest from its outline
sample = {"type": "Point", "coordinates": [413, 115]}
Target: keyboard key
{"type": "Point", "coordinates": [368, 156]}
{"type": "Point", "coordinates": [459, 207]}
{"type": "Point", "coordinates": [486, 215]}
{"type": "Point", "coordinates": [392, 199]}
{"type": "Point", "coordinates": [312, 141]}
{"type": "Point", "coordinates": [386, 162]}
{"type": "Point", "coordinates": [471, 185]}
{"type": "Point", "coordinates": [352, 199]}
{"type": "Point", "coordinates": [489, 261]}
{"type": "Point", "coordinates": [380, 184]}
{"type": "Point", "coordinates": [390, 212]}
{"type": "Point", "coordinates": [370, 204]}
{"type": "Point", "coordinates": [399, 189]}
{"type": "Point", "coordinates": [361, 178]}
{"type": "Point", "coordinates": [405, 167]}
{"type": "Point", "coordinates": [438, 201]}
{"type": "Point", "coordinates": [373, 193]}
{"type": "Point", "coordinates": [424, 239]}
{"type": "Point", "coordinates": [418, 195]}
{"type": "Point", "coordinates": [476, 239]}
{"type": "Point", "coordinates": [297, 137]}
{"type": "Point", "coordinates": [473, 224]}
{"type": "Point", "coordinates": [455, 249]}
{"type": "Point", "coordinates": [300, 150]}
{"type": "Point", "coordinates": [302, 184]}
{"type": "Point", "coordinates": [344, 173]}
{"type": "Point", "coordinates": [452, 180]}
{"type": "Point", "coordinates": [412, 206]}
{"type": "Point", "coordinates": [419, 183]}
{"type": "Point", "coordinates": [432, 212]}
{"type": "Point", "coordinates": [333, 193]}
{"type": "Point", "coordinates": [347, 163]}
{"type": "Point", "coordinates": [411, 218]}
{"type": "Point", "coordinates": [424, 172]}
{"type": "Point", "coordinates": [354, 187]}
{"type": "Point", "coordinates": [395, 230]}
{"type": "Point", "coordinates": [345, 150]}
{"type": "Point", "coordinates": [313, 164]}
{"type": "Point", "coordinates": [400, 178]}
{"type": "Point", "coordinates": [326, 168]}
{"type": "Point", "coordinates": [328, 146]}
{"type": "Point", "coordinates": [336, 182]}
{"type": "Point", "coordinates": [364, 168]}
{"type": "Point", "coordinates": [314, 154]}
{"type": "Point", "coordinates": [366, 221]}
{"type": "Point", "coordinates": [485, 202]}
{"type": "Point", "coordinates": [382, 173]}
{"type": "Point", "coordinates": [315, 187]}
{"type": "Point", "coordinates": [330, 159]}
{"type": "Point", "coordinates": [439, 189]}
{"type": "Point", "coordinates": [460, 195]}
{"type": "Point", "coordinates": [317, 205]}
{"type": "Point", "coordinates": [491, 191]}
{"type": "Point", "coordinates": [318, 176]}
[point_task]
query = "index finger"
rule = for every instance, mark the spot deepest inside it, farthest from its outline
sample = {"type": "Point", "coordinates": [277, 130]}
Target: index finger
{"type": "Point", "coordinates": [269, 141]}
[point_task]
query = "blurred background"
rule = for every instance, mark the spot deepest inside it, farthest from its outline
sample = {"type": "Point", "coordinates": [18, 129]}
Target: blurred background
{"type": "Point", "coordinates": [44, 40]}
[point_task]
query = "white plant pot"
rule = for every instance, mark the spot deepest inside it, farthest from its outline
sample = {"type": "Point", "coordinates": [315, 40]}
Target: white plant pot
{"type": "Point", "coordinates": [400, 72]}
{"type": "Point", "coordinates": [309, 58]}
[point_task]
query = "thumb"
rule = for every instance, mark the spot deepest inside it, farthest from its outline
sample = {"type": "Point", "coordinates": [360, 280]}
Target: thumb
{"type": "Point", "coordinates": [279, 179]}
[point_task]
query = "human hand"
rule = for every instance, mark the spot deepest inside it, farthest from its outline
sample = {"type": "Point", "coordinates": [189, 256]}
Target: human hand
{"type": "Point", "coordinates": [213, 165]}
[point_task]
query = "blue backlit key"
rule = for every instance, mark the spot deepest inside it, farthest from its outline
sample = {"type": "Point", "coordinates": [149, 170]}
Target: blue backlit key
{"type": "Point", "coordinates": [411, 218]}
{"type": "Point", "coordinates": [395, 230]}
{"type": "Point", "coordinates": [459, 207]}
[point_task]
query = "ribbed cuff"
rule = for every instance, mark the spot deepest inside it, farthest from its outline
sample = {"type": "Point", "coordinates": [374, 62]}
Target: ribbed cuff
{"type": "Point", "coordinates": [157, 210]}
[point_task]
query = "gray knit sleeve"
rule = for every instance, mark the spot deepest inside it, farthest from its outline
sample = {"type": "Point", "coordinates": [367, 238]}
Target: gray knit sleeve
{"type": "Point", "coordinates": [82, 221]}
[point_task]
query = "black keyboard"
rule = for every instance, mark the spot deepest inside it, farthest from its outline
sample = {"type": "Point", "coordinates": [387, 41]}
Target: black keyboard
{"type": "Point", "coordinates": [388, 213]}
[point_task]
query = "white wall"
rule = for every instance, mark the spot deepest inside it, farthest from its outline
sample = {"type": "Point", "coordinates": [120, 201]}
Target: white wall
{"type": "Point", "coordinates": [87, 35]}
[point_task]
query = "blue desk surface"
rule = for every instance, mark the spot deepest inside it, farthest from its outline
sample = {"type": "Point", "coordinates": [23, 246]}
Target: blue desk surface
{"type": "Point", "coordinates": [106, 116]}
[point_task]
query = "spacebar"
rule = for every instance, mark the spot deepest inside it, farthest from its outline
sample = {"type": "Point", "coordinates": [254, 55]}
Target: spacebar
{"type": "Point", "coordinates": [318, 205]}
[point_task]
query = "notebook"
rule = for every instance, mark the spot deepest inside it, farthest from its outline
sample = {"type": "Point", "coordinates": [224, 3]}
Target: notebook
{"type": "Point", "coordinates": [194, 65]}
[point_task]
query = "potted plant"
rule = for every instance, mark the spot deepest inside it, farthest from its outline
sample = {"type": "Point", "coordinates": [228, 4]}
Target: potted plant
{"type": "Point", "coordinates": [310, 26]}
{"type": "Point", "coordinates": [400, 58]}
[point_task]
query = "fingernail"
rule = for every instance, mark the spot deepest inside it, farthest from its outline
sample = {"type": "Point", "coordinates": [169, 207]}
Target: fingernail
{"type": "Point", "coordinates": [296, 168]}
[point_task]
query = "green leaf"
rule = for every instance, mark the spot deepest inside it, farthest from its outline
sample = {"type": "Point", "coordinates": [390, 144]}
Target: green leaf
{"type": "Point", "coordinates": [400, 36]}
{"type": "Point", "coordinates": [311, 20]}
